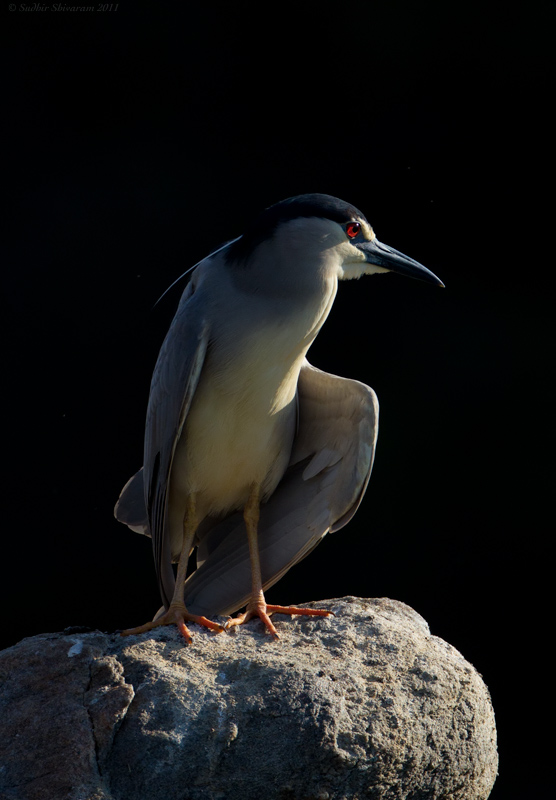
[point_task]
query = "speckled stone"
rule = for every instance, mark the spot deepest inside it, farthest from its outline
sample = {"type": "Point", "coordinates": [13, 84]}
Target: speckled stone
{"type": "Point", "coordinates": [366, 704]}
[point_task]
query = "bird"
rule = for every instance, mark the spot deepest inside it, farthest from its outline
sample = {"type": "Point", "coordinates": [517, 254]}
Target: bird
{"type": "Point", "coordinates": [251, 454]}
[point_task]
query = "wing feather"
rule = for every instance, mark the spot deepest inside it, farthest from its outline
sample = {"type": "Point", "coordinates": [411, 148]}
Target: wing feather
{"type": "Point", "coordinates": [130, 508]}
{"type": "Point", "coordinates": [173, 386]}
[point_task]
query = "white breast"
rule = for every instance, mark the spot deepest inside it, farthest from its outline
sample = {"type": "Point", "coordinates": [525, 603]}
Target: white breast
{"type": "Point", "coordinates": [240, 426]}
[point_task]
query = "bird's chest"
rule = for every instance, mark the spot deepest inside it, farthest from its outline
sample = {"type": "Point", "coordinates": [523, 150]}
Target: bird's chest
{"type": "Point", "coordinates": [241, 424]}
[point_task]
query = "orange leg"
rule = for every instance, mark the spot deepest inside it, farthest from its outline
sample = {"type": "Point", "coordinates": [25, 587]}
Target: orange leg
{"type": "Point", "coordinates": [257, 606]}
{"type": "Point", "coordinates": [177, 613]}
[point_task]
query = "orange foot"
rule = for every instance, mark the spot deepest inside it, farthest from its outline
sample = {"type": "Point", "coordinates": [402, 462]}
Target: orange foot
{"type": "Point", "coordinates": [178, 615]}
{"type": "Point", "coordinates": [260, 609]}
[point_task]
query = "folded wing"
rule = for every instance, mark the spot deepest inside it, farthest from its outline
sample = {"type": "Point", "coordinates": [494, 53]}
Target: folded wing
{"type": "Point", "coordinates": [173, 386]}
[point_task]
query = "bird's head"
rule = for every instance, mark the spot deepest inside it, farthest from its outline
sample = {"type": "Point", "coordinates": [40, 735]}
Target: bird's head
{"type": "Point", "coordinates": [319, 228]}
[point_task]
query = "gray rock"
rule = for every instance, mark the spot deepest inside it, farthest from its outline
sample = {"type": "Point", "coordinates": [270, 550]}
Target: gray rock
{"type": "Point", "coordinates": [366, 704]}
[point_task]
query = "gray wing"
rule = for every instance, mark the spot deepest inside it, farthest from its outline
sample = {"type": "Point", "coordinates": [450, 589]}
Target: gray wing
{"type": "Point", "coordinates": [329, 470]}
{"type": "Point", "coordinates": [173, 386]}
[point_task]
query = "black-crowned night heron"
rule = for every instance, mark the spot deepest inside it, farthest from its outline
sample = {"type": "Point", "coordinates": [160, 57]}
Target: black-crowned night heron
{"type": "Point", "coordinates": [238, 420]}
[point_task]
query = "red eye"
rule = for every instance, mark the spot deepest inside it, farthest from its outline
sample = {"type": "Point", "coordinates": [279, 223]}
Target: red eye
{"type": "Point", "coordinates": [352, 229]}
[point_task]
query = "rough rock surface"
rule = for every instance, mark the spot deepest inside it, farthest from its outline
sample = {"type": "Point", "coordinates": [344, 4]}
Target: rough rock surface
{"type": "Point", "coordinates": [366, 704]}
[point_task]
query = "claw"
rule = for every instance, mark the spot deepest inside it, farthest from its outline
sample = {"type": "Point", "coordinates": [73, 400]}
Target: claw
{"type": "Point", "coordinates": [262, 611]}
{"type": "Point", "coordinates": [177, 615]}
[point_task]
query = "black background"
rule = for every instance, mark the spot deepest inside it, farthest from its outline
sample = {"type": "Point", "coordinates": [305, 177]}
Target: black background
{"type": "Point", "coordinates": [143, 137]}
